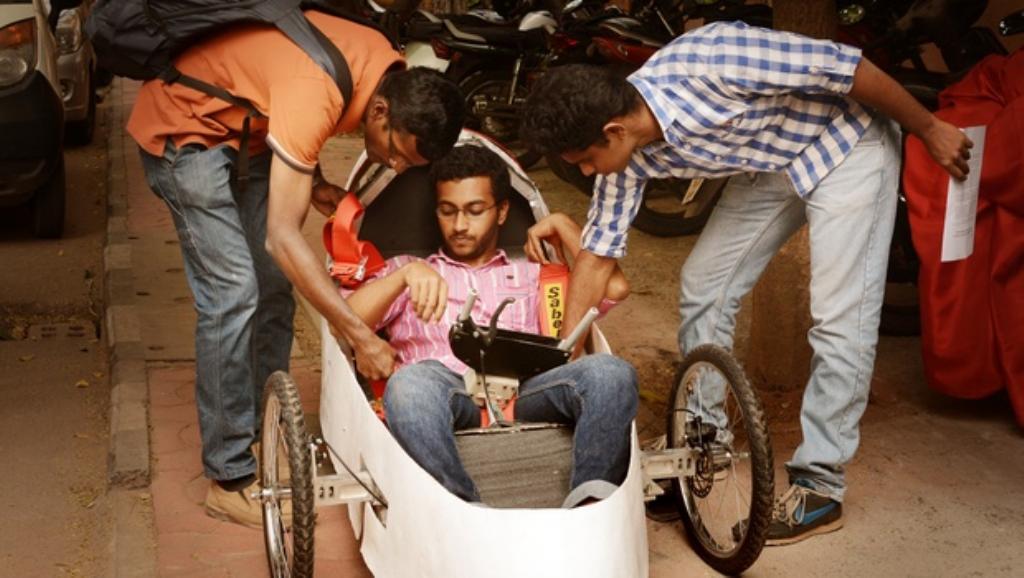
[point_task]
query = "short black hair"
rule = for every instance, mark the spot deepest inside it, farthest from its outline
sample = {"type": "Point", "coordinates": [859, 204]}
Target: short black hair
{"type": "Point", "coordinates": [569, 106]}
{"type": "Point", "coordinates": [468, 161]}
{"type": "Point", "coordinates": [426, 105]}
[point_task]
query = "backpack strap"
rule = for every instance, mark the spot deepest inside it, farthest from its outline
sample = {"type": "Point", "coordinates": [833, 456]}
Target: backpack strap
{"type": "Point", "coordinates": [313, 42]}
{"type": "Point", "coordinates": [307, 36]}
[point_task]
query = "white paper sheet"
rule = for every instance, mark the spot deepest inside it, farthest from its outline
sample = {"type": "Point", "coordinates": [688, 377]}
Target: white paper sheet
{"type": "Point", "coordinates": [962, 203]}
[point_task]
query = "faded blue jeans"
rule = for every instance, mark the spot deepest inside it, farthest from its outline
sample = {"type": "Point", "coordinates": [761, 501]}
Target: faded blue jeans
{"type": "Point", "coordinates": [850, 215]}
{"type": "Point", "coordinates": [243, 300]}
{"type": "Point", "coordinates": [426, 403]}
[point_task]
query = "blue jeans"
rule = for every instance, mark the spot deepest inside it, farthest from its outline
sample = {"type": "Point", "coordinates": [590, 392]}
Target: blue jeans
{"type": "Point", "coordinates": [426, 403]}
{"type": "Point", "coordinates": [243, 301]}
{"type": "Point", "coordinates": [850, 217]}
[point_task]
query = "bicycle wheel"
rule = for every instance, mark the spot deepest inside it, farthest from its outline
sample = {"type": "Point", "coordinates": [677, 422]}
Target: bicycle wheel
{"type": "Point", "coordinates": [289, 550]}
{"type": "Point", "coordinates": [726, 504]}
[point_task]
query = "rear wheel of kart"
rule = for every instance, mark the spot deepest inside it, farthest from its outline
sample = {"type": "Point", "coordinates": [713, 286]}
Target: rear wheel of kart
{"type": "Point", "coordinates": [663, 212]}
{"type": "Point", "coordinates": [489, 112]}
{"type": "Point", "coordinates": [48, 205]}
{"type": "Point", "coordinates": [726, 505]}
{"type": "Point", "coordinates": [289, 550]}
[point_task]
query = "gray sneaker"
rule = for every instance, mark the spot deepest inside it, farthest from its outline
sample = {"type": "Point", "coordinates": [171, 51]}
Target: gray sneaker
{"type": "Point", "coordinates": [801, 513]}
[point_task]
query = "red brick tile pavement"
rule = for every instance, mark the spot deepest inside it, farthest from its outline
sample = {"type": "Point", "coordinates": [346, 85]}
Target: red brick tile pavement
{"type": "Point", "coordinates": [189, 543]}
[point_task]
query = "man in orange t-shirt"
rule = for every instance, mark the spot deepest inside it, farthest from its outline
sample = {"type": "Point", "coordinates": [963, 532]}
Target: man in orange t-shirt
{"type": "Point", "coordinates": [189, 142]}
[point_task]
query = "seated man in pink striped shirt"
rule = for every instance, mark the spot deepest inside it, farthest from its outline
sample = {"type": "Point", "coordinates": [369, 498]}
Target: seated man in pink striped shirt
{"type": "Point", "coordinates": [418, 300]}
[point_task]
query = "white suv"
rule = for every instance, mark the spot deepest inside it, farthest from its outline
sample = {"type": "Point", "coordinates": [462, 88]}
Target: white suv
{"type": "Point", "coordinates": [76, 67]}
{"type": "Point", "coordinates": [31, 116]}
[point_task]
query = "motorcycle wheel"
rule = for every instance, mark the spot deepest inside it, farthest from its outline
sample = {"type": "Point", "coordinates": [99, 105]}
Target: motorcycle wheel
{"type": "Point", "coordinates": [486, 93]}
{"type": "Point", "coordinates": [570, 174]}
{"type": "Point", "coordinates": [901, 312]}
{"type": "Point", "coordinates": [663, 214]}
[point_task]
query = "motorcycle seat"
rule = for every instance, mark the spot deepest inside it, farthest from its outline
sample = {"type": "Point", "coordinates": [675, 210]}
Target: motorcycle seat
{"type": "Point", "coordinates": [429, 26]}
{"type": "Point", "coordinates": [498, 35]}
{"type": "Point", "coordinates": [630, 29]}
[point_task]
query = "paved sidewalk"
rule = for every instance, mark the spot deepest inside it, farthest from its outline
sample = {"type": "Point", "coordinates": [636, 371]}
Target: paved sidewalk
{"type": "Point", "coordinates": [188, 542]}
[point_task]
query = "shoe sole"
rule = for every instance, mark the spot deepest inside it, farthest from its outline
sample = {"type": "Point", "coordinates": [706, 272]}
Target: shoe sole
{"type": "Point", "coordinates": [225, 517]}
{"type": "Point", "coordinates": [822, 529]}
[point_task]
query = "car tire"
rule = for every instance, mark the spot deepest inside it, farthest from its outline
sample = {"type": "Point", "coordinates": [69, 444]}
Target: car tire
{"type": "Point", "coordinates": [80, 132]}
{"type": "Point", "coordinates": [48, 205]}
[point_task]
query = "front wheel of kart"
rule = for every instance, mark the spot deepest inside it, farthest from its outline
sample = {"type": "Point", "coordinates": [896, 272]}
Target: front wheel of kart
{"type": "Point", "coordinates": [286, 474]}
{"type": "Point", "coordinates": [726, 505]}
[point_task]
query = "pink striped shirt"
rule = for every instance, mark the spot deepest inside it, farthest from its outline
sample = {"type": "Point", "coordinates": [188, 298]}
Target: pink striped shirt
{"type": "Point", "coordinates": [501, 277]}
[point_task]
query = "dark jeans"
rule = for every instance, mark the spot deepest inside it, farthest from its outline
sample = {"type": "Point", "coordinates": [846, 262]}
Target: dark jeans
{"type": "Point", "coordinates": [426, 403]}
{"type": "Point", "coordinates": [243, 300]}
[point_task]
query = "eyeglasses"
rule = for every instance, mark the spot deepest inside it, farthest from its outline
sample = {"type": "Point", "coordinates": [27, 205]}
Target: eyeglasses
{"type": "Point", "coordinates": [472, 212]}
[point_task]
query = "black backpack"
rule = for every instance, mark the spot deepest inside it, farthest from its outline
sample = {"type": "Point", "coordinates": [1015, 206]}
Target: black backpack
{"type": "Point", "coordinates": [140, 38]}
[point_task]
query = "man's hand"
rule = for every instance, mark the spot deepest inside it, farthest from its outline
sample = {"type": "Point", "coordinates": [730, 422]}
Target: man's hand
{"type": "Point", "coordinates": [427, 291]}
{"type": "Point", "coordinates": [375, 359]}
{"type": "Point", "coordinates": [554, 228]}
{"type": "Point", "coordinates": [949, 146]}
{"type": "Point", "coordinates": [326, 197]}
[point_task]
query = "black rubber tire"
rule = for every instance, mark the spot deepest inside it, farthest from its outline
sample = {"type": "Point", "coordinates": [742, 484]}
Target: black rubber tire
{"type": "Point", "coordinates": [761, 461]}
{"type": "Point", "coordinates": [282, 412]}
{"type": "Point", "coordinates": [901, 319]}
{"type": "Point", "coordinates": [686, 220]}
{"type": "Point", "coordinates": [648, 219]}
{"type": "Point", "coordinates": [474, 82]}
{"type": "Point", "coordinates": [80, 132]}
{"type": "Point", "coordinates": [48, 205]}
{"type": "Point", "coordinates": [571, 174]}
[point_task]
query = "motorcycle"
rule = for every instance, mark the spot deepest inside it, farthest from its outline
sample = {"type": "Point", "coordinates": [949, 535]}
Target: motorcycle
{"type": "Point", "coordinates": [493, 63]}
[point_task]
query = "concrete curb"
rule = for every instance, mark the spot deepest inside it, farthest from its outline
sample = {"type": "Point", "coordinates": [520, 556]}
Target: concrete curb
{"type": "Point", "coordinates": [129, 398]}
{"type": "Point", "coordinates": [134, 540]}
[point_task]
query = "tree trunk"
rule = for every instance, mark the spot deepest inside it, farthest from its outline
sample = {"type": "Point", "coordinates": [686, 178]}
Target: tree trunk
{"type": "Point", "coordinates": [778, 354]}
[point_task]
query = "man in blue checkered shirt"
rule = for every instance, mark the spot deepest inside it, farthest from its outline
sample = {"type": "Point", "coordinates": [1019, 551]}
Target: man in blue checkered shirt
{"type": "Point", "coordinates": [804, 124]}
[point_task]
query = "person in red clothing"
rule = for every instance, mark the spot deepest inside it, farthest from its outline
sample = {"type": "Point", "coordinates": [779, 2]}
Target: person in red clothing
{"type": "Point", "coordinates": [972, 309]}
{"type": "Point", "coordinates": [243, 247]}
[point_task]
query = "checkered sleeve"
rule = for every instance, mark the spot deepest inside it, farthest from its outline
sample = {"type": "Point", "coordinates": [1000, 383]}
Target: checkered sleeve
{"type": "Point", "coordinates": [752, 61]}
{"type": "Point", "coordinates": [613, 207]}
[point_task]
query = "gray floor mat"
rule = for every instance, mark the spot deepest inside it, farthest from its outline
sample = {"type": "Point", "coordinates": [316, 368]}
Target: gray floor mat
{"type": "Point", "coordinates": [519, 469]}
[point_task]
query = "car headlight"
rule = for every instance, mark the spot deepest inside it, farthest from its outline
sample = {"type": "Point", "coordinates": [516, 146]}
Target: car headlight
{"type": "Point", "coordinates": [17, 51]}
{"type": "Point", "coordinates": [69, 32]}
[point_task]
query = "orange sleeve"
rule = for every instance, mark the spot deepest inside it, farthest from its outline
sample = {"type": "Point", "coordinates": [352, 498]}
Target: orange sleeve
{"type": "Point", "coordinates": [303, 115]}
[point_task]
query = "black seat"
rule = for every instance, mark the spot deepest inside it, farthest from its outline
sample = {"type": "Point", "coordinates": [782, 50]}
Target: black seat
{"type": "Point", "coordinates": [402, 221]}
{"type": "Point", "coordinates": [631, 29]}
{"type": "Point", "coordinates": [504, 35]}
